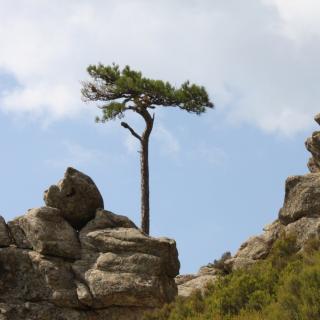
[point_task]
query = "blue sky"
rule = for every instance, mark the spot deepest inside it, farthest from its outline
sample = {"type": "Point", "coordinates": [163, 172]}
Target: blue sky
{"type": "Point", "coordinates": [215, 179]}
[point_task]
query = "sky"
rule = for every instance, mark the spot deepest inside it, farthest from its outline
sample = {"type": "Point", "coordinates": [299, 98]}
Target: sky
{"type": "Point", "coordinates": [215, 179]}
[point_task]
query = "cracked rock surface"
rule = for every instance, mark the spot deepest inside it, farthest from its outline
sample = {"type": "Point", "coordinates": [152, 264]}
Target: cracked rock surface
{"type": "Point", "coordinates": [51, 268]}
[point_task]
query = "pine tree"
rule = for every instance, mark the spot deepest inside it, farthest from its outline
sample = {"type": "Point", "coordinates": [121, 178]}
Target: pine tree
{"type": "Point", "coordinates": [127, 90]}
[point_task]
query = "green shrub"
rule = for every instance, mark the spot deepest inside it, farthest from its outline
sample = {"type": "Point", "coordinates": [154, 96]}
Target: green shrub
{"type": "Point", "coordinates": [219, 264]}
{"type": "Point", "coordinates": [284, 286]}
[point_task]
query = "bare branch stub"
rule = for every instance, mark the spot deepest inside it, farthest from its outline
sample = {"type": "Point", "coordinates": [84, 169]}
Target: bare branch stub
{"type": "Point", "coordinates": [126, 126]}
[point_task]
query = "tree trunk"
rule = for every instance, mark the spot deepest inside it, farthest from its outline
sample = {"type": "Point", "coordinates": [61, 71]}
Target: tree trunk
{"type": "Point", "coordinates": [145, 207]}
{"type": "Point", "coordinates": [144, 162]}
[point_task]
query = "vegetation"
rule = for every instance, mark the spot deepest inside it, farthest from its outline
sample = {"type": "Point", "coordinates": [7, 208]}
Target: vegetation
{"type": "Point", "coordinates": [127, 90]}
{"type": "Point", "coordinates": [219, 264]}
{"type": "Point", "coordinates": [285, 286]}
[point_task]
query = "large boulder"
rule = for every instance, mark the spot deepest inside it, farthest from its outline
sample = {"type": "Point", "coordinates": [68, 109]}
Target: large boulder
{"type": "Point", "coordinates": [302, 198]}
{"type": "Point", "coordinates": [122, 240]}
{"type": "Point", "coordinates": [123, 266]}
{"type": "Point", "coordinates": [51, 269]}
{"type": "Point", "coordinates": [121, 272]}
{"type": "Point", "coordinates": [77, 196]}
{"type": "Point", "coordinates": [107, 220]}
{"type": "Point", "coordinates": [46, 232]}
{"type": "Point", "coordinates": [5, 240]}
{"type": "Point", "coordinates": [313, 146]}
{"type": "Point", "coordinates": [304, 229]}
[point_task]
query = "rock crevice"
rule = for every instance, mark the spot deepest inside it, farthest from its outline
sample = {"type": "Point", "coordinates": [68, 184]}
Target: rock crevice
{"type": "Point", "coordinates": [74, 260]}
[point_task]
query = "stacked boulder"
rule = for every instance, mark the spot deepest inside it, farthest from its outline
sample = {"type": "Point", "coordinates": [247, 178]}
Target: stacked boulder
{"type": "Point", "coordinates": [313, 146]}
{"type": "Point", "coordinates": [74, 260]}
{"type": "Point", "coordinates": [300, 216]}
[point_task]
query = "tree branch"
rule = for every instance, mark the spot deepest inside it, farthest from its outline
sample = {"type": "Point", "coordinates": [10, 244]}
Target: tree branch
{"type": "Point", "coordinates": [126, 126]}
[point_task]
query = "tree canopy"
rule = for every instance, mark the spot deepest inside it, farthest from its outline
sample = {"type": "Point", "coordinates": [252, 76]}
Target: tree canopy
{"type": "Point", "coordinates": [126, 89]}
{"type": "Point", "coordinates": [121, 90]}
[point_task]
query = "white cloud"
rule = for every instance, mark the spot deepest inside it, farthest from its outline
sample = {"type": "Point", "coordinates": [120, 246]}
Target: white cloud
{"type": "Point", "coordinates": [258, 59]}
{"type": "Point", "coordinates": [167, 143]}
{"type": "Point", "coordinates": [300, 18]}
{"type": "Point", "coordinates": [212, 155]}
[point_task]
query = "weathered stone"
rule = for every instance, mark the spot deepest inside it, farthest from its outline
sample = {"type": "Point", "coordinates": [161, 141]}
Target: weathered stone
{"type": "Point", "coordinates": [313, 146]}
{"type": "Point", "coordinates": [77, 196]}
{"type": "Point", "coordinates": [317, 118]}
{"type": "Point", "coordinates": [28, 276]}
{"type": "Point", "coordinates": [107, 270]}
{"type": "Point", "coordinates": [302, 198]}
{"type": "Point", "coordinates": [126, 289]}
{"type": "Point", "coordinates": [256, 248]}
{"type": "Point", "coordinates": [183, 278]}
{"type": "Point", "coordinates": [48, 311]}
{"type": "Point", "coordinates": [304, 229]}
{"type": "Point", "coordinates": [313, 165]}
{"type": "Point", "coordinates": [5, 240]}
{"type": "Point", "coordinates": [19, 281]}
{"type": "Point", "coordinates": [139, 263]}
{"type": "Point", "coordinates": [18, 235]}
{"type": "Point", "coordinates": [84, 294]}
{"type": "Point", "coordinates": [106, 220]}
{"type": "Point", "coordinates": [200, 282]}
{"type": "Point", "coordinates": [48, 233]}
{"type": "Point", "coordinates": [122, 240]}
{"type": "Point", "coordinates": [205, 270]}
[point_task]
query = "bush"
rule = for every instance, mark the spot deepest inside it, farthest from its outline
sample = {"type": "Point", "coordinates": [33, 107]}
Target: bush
{"type": "Point", "coordinates": [285, 286]}
{"type": "Point", "coordinates": [220, 263]}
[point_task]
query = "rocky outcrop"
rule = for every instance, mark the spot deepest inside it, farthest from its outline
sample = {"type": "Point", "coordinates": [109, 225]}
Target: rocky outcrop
{"type": "Point", "coordinates": [313, 146]}
{"type": "Point", "coordinates": [77, 196]}
{"type": "Point", "coordinates": [46, 232]}
{"type": "Point", "coordinates": [187, 284]}
{"type": "Point", "coordinates": [5, 240]}
{"type": "Point", "coordinates": [302, 198]}
{"type": "Point", "coordinates": [299, 216]}
{"type": "Point", "coordinates": [108, 269]}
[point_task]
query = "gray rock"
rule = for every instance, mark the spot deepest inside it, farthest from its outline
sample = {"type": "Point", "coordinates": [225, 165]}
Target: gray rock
{"type": "Point", "coordinates": [84, 294]}
{"type": "Point", "coordinates": [47, 311]}
{"type": "Point", "coordinates": [18, 235]}
{"type": "Point", "coordinates": [183, 278]}
{"type": "Point", "coordinates": [200, 282]}
{"type": "Point", "coordinates": [125, 289]}
{"type": "Point", "coordinates": [302, 198]}
{"type": "Point", "coordinates": [121, 240]}
{"type": "Point", "coordinates": [77, 196]}
{"type": "Point", "coordinates": [5, 240]}
{"type": "Point", "coordinates": [256, 248]}
{"type": "Point", "coordinates": [313, 146]}
{"type": "Point", "coordinates": [139, 263]}
{"type": "Point", "coordinates": [304, 229]}
{"type": "Point", "coordinates": [107, 270]}
{"type": "Point", "coordinates": [48, 233]}
{"type": "Point", "coordinates": [105, 219]}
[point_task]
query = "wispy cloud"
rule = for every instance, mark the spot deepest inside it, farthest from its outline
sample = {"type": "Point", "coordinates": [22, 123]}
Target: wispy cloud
{"type": "Point", "coordinates": [212, 155]}
{"type": "Point", "coordinates": [266, 51]}
{"type": "Point", "coordinates": [168, 144]}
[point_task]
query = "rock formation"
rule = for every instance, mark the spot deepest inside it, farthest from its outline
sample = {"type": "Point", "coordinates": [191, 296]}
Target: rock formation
{"type": "Point", "coordinates": [313, 146]}
{"type": "Point", "coordinates": [77, 197]}
{"type": "Point", "coordinates": [300, 215]}
{"type": "Point", "coordinates": [73, 260]}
